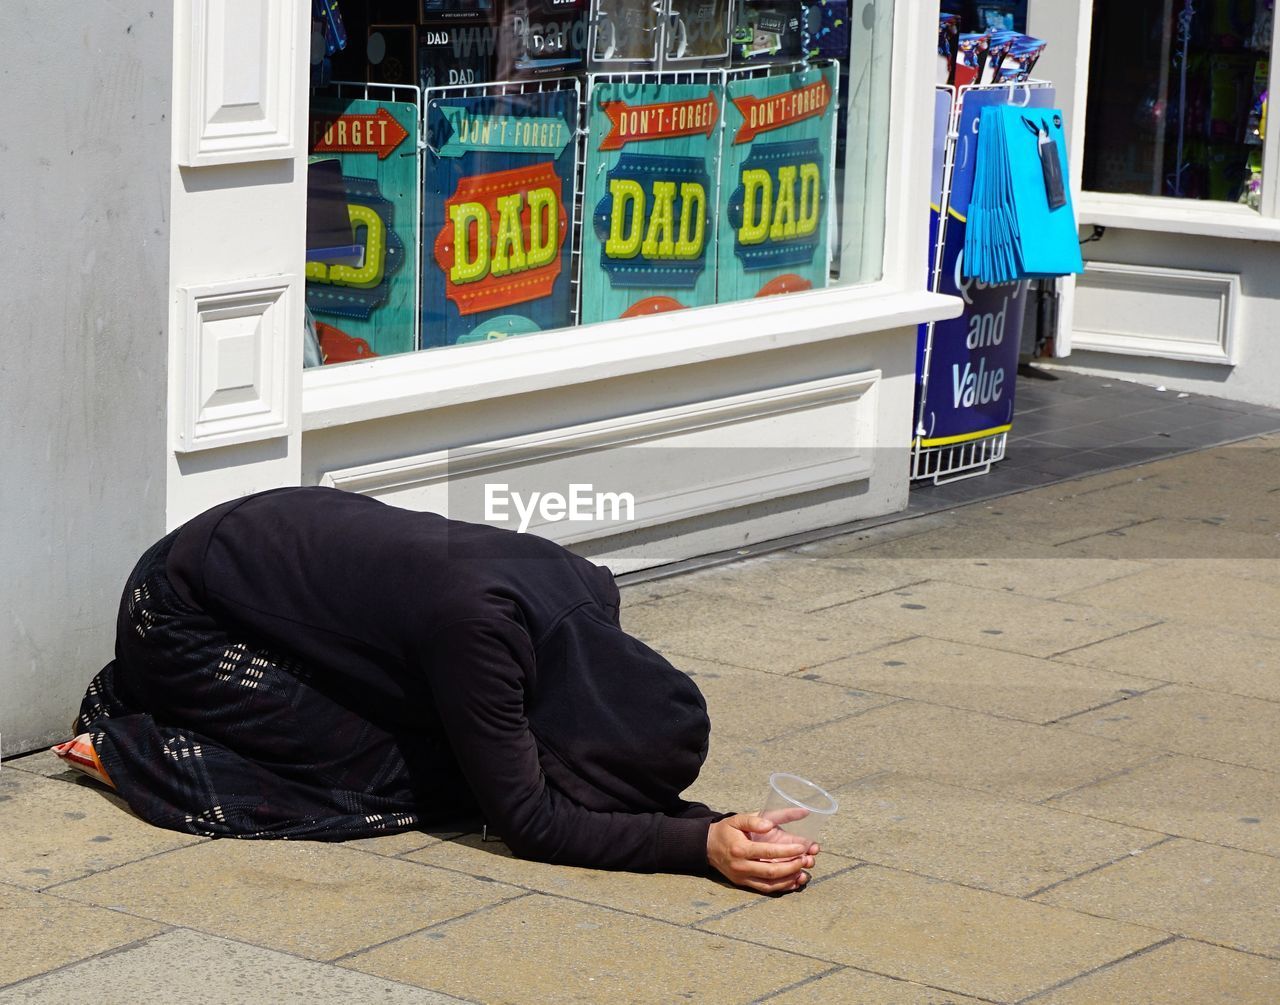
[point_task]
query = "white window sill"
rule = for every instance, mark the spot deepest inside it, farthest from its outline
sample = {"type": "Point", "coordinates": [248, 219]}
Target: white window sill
{"type": "Point", "coordinates": [441, 378]}
{"type": "Point", "coordinates": [1176, 216]}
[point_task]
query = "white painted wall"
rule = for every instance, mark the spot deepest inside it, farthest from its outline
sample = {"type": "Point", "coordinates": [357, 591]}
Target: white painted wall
{"type": "Point", "coordinates": [1062, 26]}
{"type": "Point", "coordinates": [84, 214]}
{"type": "Point", "coordinates": [1256, 376]}
{"type": "Point", "coordinates": [238, 181]}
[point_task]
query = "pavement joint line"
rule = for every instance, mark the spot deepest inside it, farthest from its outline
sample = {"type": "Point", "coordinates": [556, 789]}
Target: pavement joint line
{"type": "Point", "coordinates": [837, 965]}
{"type": "Point", "coordinates": [107, 907]}
{"type": "Point", "coordinates": [1108, 704]}
{"type": "Point", "coordinates": [1097, 642]}
{"type": "Point", "coordinates": [384, 855]}
{"type": "Point", "coordinates": [797, 675]}
{"type": "Point", "coordinates": [1235, 949]}
{"type": "Point", "coordinates": [453, 837]}
{"type": "Point", "coordinates": [1041, 803]}
{"type": "Point", "coordinates": [1025, 897]}
{"type": "Point", "coordinates": [1109, 530]}
{"type": "Point", "coordinates": [1046, 803]}
{"type": "Point", "coordinates": [1169, 834]}
{"type": "Point", "coordinates": [961, 708]}
{"type": "Point", "coordinates": [1192, 686]}
{"type": "Point", "coordinates": [197, 841]}
{"type": "Point", "coordinates": [1161, 756]}
{"type": "Point", "coordinates": [797, 984]}
{"type": "Point", "coordinates": [672, 655]}
{"type": "Point", "coordinates": [845, 656]}
{"type": "Point", "coordinates": [1146, 567]}
{"type": "Point", "coordinates": [692, 926]}
{"type": "Point", "coordinates": [802, 730]}
{"type": "Point", "coordinates": [1099, 969]}
{"type": "Point", "coordinates": [535, 891]}
{"type": "Point", "coordinates": [339, 960]}
{"type": "Point", "coordinates": [275, 949]}
{"type": "Point", "coordinates": [168, 929]}
{"type": "Point", "coordinates": [1164, 839]}
{"type": "Point", "coordinates": [757, 901]}
{"type": "Point", "coordinates": [871, 776]}
{"type": "Point", "coordinates": [868, 596]}
{"type": "Point", "coordinates": [864, 652]}
{"type": "Point", "coordinates": [845, 967]}
{"type": "Point", "coordinates": [134, 944]}
{"type": "Point", "coordinates": [1165, 750]}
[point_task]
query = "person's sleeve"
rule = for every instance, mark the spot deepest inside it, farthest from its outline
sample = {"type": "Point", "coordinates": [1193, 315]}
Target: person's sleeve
{"type": "Point", "coordinates": [604, 588]}
{"type": "Point", "coordinates": [480, 667]}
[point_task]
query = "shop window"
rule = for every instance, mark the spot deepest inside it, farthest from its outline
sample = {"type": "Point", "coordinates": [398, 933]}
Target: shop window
{"type": "Point", "coordinates": [1178, 98]}
{"type": "Point", "coordinates": [480, 172]}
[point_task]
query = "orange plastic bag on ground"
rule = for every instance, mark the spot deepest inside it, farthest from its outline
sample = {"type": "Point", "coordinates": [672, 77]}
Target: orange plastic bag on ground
{"type": "Point", "coordinates": [79, 754]}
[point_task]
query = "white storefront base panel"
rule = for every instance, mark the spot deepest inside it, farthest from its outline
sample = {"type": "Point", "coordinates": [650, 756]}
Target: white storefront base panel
{"type": "Point", "coordinates": [1146, 310]}
{"type": "Point", "coordinates": [713, 455]}
{"type": "Point", "coordinates": [1189, 312]}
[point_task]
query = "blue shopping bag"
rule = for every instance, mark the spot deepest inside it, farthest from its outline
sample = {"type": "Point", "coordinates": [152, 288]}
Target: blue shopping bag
{"type": "Point", "coordinates": [1021, 221]}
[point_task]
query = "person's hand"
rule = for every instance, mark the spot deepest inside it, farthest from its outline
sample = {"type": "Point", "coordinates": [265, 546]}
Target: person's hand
{"type": "Point", "coordinates": [774, 862]}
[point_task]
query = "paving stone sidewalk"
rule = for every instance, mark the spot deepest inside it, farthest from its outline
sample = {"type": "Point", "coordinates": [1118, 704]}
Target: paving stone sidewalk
{"type": "Point", "coordinates": [1052, 720]}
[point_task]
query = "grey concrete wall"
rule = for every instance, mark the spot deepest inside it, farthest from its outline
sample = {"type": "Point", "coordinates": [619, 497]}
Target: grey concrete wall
{"type": "Point", "coordinates": [84, 250]}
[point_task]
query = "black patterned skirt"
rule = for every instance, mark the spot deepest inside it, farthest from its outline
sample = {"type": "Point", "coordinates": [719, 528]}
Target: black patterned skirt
{"type": "Point", "coordinates": [202, 730]}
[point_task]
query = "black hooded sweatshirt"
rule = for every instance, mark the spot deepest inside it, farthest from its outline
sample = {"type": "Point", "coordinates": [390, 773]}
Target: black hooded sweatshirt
{"type": "Point", "coordinates": [574, 738]}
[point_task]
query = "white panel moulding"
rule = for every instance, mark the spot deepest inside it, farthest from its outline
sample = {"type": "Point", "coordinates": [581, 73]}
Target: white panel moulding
{"type": "Point", "coordinates": [234, 363]}
{"type": "Point", "coordinates": [676, 463]}
{"type": "Point", "coordinates": [1156, 311]}
{"type": "Point", "coordinates": [239, 85]}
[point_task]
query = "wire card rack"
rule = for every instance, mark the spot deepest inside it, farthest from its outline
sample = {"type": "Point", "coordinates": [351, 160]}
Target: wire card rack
{"type": "Point", "coordinates": [544, 85]}
{"type": "Point", "coordinates": [409, 94]}
{"type": "Point", "coordinates": [970, 457]}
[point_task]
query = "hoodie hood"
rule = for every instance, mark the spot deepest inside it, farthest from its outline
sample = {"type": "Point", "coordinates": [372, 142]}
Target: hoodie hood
{"type": "Point", "coordinates": [618, 728]}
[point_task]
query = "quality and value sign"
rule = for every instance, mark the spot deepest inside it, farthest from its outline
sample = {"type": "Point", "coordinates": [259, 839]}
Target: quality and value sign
{"type": "Point", "coordinates": [775, 180]}
{"type": "Point", "coordinates": [365, 290]}
{"type": "Point", "coordinates": [967, 391]}
{"type": "Point", "coordinates": [650, 244]}
{"type": "Point", "coordinates": [498, 215]}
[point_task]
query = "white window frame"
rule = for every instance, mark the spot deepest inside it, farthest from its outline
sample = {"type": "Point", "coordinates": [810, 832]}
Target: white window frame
{"type": "Point", "coordinates": [1162, 214]}
{"type": "Point", "coordinates": [397, 385]}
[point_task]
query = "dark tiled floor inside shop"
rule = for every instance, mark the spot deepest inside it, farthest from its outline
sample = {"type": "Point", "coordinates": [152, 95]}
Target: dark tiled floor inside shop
{"type": "Point", "coordinates": [1067, 425]}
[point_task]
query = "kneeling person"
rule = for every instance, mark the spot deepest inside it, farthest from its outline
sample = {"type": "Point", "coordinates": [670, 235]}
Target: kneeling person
{"type": "Point", "coordinates": [317, 664]}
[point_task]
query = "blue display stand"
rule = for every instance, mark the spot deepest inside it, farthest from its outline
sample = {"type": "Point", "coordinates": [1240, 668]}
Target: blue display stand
{"type": "Point", "coordinates": [967, 366]}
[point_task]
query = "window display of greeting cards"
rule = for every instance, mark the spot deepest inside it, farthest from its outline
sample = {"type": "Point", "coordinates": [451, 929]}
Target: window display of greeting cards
{"type": "Point", "coordinates": [542, 38]}
{"type": "Point", "coordinates": [579, 161]}
{"type": "Point", "coordinates": [497, 214]}
{"type": "Point", "coordinates": [775, 183]}
{"type": "Point", "coordinates": [362, 220]}
{"type": "Point", "coordinates": [649, 239]}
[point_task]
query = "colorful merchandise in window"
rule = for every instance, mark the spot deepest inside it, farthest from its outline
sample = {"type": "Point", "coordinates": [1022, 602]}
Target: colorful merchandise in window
{"type": "Point", "coordinates": [362, 211]}
{"type": "Point", "coordinates": [775, 179]}
{"type": "Point", "coordinates": [498, 209]}
{"type": "Point", "coordinates": [649, 244]}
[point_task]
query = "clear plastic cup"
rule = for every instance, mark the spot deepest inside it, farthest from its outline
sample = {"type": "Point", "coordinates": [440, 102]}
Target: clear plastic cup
{"type": "Point", "coordinates": [797, 806]}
